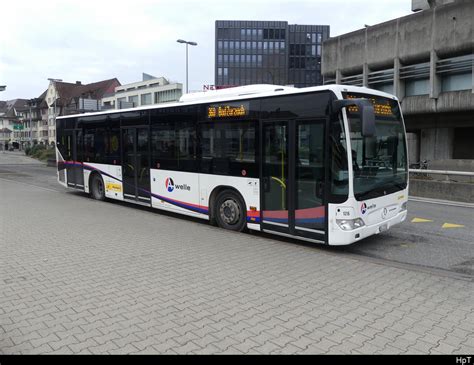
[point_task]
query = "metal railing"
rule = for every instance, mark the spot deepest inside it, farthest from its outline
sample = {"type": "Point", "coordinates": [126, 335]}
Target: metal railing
{"type": "Point", "coordinates": [447, 173]}
{"type": "Point", "coordinates": [441, 172]}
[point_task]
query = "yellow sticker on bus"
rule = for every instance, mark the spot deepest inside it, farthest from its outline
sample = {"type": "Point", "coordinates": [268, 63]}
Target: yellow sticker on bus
{"type": "Point", "coordinates": [113, 187]}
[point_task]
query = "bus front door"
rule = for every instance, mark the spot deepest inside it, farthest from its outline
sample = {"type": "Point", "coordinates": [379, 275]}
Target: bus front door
{"type": "Point", "coordinates": [136, 165]}
{"type": "Point", "coordinates": [293, 178]}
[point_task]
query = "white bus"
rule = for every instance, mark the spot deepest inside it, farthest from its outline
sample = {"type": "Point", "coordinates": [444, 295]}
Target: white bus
{"type": "Point", "coordinates": [323, 164]}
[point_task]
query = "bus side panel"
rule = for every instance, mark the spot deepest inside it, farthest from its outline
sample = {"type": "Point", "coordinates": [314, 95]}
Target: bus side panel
{"type": "Point", "coordinates": [112, 176]}
{"type": "Point", "coordinates": [249, 188]}
{"type": "Point", "coordinates": [176, 191]}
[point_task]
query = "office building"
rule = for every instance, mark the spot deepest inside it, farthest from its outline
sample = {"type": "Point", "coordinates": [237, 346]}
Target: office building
{"type": "Point", "coordinates": [268, 52]}
{"type": "Point", "coordinates": [151, 90]}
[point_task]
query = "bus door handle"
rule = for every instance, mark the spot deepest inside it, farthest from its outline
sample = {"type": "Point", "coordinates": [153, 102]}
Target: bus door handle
{"type": "Point", "coordinates": [319, 191]}
{"type": "Point", "coordinates": [266, 184]}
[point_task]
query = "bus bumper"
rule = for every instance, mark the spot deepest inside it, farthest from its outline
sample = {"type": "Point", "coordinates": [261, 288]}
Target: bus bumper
{"type": "Point", "coordinates": [339, 237]}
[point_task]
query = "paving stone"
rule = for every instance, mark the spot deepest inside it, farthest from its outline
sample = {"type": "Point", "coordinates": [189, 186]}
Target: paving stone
{"type": "Point", "coordinates": [141, 282]}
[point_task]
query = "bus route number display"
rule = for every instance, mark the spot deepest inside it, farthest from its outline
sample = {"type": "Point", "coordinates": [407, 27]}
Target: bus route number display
{"type": "Point", "coordinates": [227, 110]}
{"type": "Point", "coordinates": [382, 107]}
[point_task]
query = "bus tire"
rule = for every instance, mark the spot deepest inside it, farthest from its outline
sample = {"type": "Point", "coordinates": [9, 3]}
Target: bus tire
{"type": "Point", "coordinates": [97, 187]}
{"type": "Point", "coordinates": [230, 212]}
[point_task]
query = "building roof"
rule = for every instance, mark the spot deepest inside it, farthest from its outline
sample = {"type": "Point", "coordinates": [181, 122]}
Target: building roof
{"type": "Point", "coordinates": [9, 108]}
{"type": "Point", "coordinates": [96, 90]}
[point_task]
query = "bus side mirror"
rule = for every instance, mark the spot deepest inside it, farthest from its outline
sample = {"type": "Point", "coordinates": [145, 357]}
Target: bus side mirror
{"type": "Point", "coordinates": [367, 114]}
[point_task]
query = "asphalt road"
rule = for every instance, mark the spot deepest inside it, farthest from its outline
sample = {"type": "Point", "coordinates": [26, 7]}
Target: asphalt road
{"type": "Point", "coordinates": [436, 236]}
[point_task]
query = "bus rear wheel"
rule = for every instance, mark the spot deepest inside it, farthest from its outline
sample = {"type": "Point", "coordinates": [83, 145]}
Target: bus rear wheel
{"type": "Point", "coordinates": [230, 211]}
{"type": "Point", "coordinates": [97, 187]}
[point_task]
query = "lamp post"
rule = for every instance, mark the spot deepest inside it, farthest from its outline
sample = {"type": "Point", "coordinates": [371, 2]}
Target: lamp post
{"type": "Point", "coordinates": [191, 44]}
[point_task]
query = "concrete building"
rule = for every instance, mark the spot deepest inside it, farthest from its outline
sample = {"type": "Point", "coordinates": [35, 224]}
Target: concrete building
{"type": "Point", "coordinates": [426, 59]}
{"type": "Point", "coordinates": [151, 90]}
{"type": "Point", "coordinates": [273, 52]}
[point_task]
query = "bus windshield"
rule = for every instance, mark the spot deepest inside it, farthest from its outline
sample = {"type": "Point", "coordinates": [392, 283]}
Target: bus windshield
{"type": "Point", "coordinates": [379, 162]}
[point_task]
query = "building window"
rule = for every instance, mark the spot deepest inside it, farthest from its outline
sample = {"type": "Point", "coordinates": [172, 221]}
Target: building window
{"type": "Point", "coordinates": [133, 99]}
{"type": "Point", "coordinates": [457, 82]}
{"type": "Point", "coordinates": [456, 73]}
{"type": "Point", "coordinates": [146, 99]}
{"type": "Point", "coordinates": [382, 80]}
{"type": "Point", "coordinates": [417, 87]}
{"type": "Point", "coordinates": [416, 78]}
{"type": "Point", "coordinates": [387, 88]}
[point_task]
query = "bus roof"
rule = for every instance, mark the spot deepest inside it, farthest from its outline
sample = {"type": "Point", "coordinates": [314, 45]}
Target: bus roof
{"type": "Point", "coordinates": [239, 93]}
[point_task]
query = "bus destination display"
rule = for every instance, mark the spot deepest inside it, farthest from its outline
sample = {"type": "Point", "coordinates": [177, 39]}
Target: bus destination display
{"type": "Point", "coordinates": [227, 110]}
{"type": "Point", "coordinates": [382, 107]}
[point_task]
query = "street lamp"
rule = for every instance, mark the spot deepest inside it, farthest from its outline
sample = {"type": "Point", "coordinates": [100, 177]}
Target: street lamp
{"type": "Point", "coordinates": [191, 44]}
{"type": "Point", "coordinates": [3, 87]}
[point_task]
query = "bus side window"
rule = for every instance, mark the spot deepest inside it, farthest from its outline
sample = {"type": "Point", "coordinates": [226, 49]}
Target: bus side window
{"type": "Point", "coordinates": [228, 148]}
{"type": "Point", "coordinates": [173, 146]}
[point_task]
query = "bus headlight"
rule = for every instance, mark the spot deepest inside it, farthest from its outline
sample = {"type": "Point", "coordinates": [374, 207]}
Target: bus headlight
{"type": "Point", "coordinates": [404, 207]}
{"type": "Point", "coordinates": [350, 224]}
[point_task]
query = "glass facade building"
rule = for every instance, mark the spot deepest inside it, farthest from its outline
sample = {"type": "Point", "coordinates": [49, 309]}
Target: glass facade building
{"type": "Point", "coordinates": [269, 52]}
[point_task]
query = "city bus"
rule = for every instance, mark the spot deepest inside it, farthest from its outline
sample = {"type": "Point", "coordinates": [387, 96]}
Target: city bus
{"type": "Point", "coordinates": [324, 164]}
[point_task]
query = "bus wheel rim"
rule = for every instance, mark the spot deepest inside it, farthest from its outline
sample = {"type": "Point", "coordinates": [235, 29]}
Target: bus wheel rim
{"type": "Point", "coordinates": [230, 211]}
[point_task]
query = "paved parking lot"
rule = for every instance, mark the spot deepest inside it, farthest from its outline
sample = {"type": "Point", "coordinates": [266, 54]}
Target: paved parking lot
{"type": "Point", "coordinates": [80, 276]}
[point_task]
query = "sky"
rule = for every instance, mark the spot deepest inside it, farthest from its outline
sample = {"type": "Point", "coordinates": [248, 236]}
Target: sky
{"type": "Point", "coordinates": [90, 41]}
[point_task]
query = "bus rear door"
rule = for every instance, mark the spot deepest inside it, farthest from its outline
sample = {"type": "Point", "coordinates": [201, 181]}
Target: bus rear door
{"type": "Point", "coordinates": [136, 165]}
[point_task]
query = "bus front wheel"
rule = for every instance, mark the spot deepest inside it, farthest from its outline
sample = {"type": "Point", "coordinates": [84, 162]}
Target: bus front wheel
{"type": "Point", "coordinates": [97, 187]}
{"type": "Point", "coordinates": [230, 211]}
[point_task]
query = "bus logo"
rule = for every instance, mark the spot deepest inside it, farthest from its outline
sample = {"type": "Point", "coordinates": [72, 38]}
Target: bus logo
{"type": "Point", "coordinates": [169, 184]}
{"type": "Point", "coordinates": [364, 207]}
